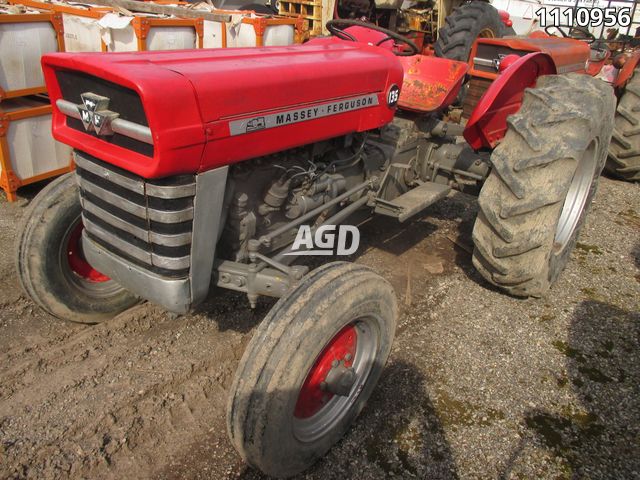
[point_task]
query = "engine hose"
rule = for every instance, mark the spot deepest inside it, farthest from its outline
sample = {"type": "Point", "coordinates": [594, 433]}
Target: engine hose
{"type": "Point", "coordinates": [353, 160]}
{"type": "Point", "coordinates": [344, 167]}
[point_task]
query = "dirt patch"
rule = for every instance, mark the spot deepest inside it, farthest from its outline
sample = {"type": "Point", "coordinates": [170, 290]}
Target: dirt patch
{"type": "Point", "coordinates": [479, 385]}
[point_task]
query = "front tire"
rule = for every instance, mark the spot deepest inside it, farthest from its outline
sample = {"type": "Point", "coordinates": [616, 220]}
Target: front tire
{"type": "Point", "coordinates": [310, 367]}
{"type": "Point", "coordinates": [50, 263]}
{"type": "Point", "coordinates": [543, 178]}
{"type": "Point", "coordinates": [624, 151]}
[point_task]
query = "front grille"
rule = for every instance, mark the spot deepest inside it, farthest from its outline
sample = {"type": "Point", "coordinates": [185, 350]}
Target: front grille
{"type": "Point", "coordinates": [122, 100]}
{"type": "Point", "coordinates": [148, 222]}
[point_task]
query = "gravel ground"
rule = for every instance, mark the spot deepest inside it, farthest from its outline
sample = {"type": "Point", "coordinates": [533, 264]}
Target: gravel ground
{"type": "Point", "coordinates": [479, 385]}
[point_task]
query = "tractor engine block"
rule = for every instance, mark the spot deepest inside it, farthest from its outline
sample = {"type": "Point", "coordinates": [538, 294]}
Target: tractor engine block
{"type": "Point", "coordinates": [268, 192]}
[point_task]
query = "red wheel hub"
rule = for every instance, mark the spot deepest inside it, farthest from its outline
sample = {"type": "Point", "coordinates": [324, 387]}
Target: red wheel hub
{"type": "Point", "coordinates": [77, 262]}
{"type": "Point", "coordinates": [341, 350]}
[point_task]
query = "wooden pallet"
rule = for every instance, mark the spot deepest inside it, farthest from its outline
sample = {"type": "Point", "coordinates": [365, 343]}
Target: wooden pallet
{"type": "Point", "coordinates": [315, 13]}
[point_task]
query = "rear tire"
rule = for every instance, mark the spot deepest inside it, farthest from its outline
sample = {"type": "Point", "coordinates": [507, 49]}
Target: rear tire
{"type": "Point", "coordinates": [464, 25]}
{"type": "Point", "coordinates": [278, 417]}
{"type": "Point", "coordinates": [50, 264]}
{"type": "Point", "coordinates": [543, 178]}
{"type": "Point", "coordinates": [624, 151]}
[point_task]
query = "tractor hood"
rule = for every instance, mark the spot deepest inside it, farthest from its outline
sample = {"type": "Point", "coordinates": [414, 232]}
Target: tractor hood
{"type": "Point", "coordinates": [164, 113]}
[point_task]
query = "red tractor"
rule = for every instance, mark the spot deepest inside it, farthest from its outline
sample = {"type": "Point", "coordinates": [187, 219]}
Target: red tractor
{"type": "Point", "coordinates": [624, 151]}
{"type": "Point", "coordinates": [189, 176]}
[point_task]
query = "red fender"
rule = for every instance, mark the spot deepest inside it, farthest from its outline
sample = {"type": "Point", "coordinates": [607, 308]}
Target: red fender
{"type": "Point", "coordinates": [627, 71]}
{"type": "Point", "coordinates": [488, 121]}
{"type": "Point", "coordinates": [430, 83]}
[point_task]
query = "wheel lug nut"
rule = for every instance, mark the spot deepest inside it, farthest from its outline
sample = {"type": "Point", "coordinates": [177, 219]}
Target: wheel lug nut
{"type": "Point", "coordinates": [335, 363]}
{"type": "Point", "coordinates": [348, 356]}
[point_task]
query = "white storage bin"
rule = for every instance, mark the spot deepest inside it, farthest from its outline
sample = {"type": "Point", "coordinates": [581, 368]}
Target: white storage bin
{"type": "Point", "coordinates": [81, 34]}
{"type": "Point", "coordinates": [213, 34]}
{"type": "Point", "coordinates": [24, 38]}
{"type": "Point", "coordinates": [33, 153]}
{"type": "Point", "coordinates": [244, 35]}
{"type": "Point", "coordinates": [159, 38]}
{"type": "Point", "coordinates": [113, 33]}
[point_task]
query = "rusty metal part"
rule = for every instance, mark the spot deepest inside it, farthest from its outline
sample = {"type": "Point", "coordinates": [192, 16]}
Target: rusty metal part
{"type": "Point", "coordinates": [568, 55]}
{"type": "Point", "coordinates": [430, 83]}
{"type": "Point", "coordinates": [627, 71]}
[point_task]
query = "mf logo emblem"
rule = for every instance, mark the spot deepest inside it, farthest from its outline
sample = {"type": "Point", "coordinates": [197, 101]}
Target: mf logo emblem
{"type": "Point", "coordinates": [95, 115]}
{"type": "Point", "coordinates": [255, 124]}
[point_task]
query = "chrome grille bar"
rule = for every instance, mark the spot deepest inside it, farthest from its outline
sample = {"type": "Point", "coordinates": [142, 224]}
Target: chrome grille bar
{"type": "Point", "coordinates": [163, 216]}
{"type": "Point", "coordinates": [136, 186]}
{"type": "Point", "coordinates": [178, 240]}
{"type": "Point", "coordinates": [169, 263]}
{"type": "Point", "coordinates": [112, 198]}
{"type": "Point", "coordinates": [147, 221]}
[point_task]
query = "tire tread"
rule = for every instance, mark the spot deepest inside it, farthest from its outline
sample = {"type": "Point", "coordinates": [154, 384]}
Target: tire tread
{"type": "Point", "coordinates": [624, 152]}
{"type": "Point", "coordinates": [520, 202]}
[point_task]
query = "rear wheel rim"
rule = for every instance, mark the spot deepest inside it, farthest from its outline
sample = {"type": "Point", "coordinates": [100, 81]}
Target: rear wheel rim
{"type": "Point", "coordinates": [318, 411]}
{"type": "Point", "coordinates": [77, 270]}
{"type": "Point", "coordinates": [486, 33]}
{"type": "Point", "coordinates": [576, 199]}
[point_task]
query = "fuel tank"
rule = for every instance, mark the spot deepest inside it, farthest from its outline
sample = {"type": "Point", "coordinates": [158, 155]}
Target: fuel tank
{"type": "Point", "coordinates": [158, 114]}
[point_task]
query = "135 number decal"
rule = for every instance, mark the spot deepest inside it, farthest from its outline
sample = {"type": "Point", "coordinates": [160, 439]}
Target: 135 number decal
{"type": "Point", "coordinates": [584, 17]}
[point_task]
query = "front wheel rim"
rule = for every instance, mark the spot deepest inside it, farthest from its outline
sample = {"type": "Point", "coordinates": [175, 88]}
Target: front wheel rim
{"type": "Point", "coordinates": [576, 200]}
{"type": "Point", "coordinates": [78, 271]}
{"type": "Point", "coordinates": [317, 409]}
{"type": "Point", "coordinates": [77, 262]}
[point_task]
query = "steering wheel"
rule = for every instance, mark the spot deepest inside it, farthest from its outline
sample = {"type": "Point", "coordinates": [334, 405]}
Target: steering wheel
{"type": "Point", "coordinates": [336, 28]}
{"type": "Point", "coordinates": [587, 36]}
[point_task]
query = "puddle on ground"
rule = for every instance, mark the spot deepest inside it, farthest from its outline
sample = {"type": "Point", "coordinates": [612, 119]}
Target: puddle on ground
{"type": "Point", "coordinates": [584, 248]}
{"type": "Point", "coordinates": [566, 350]}
{"type": "Point", "coordinates": [567, 431]}
{"type": "Point", "coordinates": [629, 217]}
{"type": "Point", "coordinates": [455, 412]}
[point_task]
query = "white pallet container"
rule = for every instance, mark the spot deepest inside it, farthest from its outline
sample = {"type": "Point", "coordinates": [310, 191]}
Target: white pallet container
{"type": "Point", "coordinates": [159, 38]}
{"type": "Point", "coordinates": [244, 35]}
{"type": "Point", "coordinates": [24, 38]}
{"type": "Point", "coordinates": [33, 154]}
{"type": "Point", "coordinates": [246, 30]}
{"type": "Point", "coordinates": [81, 34]}
{"type": "Point", "coordinates": [214, 34]}
{"type": "Point", "coordinates": [95, 31]}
